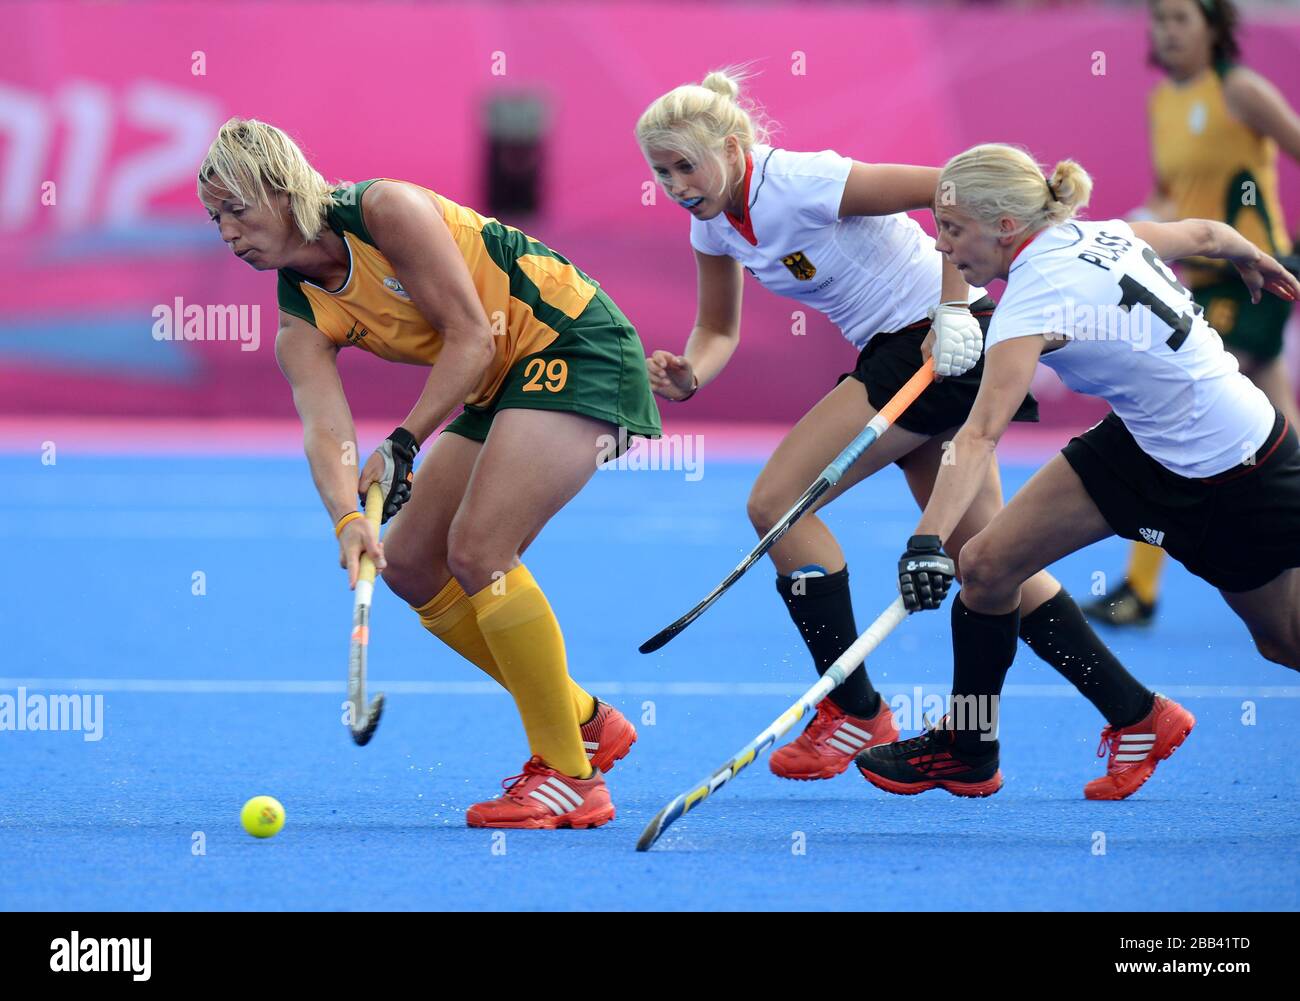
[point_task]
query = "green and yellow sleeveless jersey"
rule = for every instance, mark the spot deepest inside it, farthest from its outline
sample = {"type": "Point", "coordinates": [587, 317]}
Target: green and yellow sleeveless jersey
{"type": "Point", "coordinates": [1212, 166]}
{"type": "Point", "coordinates": [530, 294]}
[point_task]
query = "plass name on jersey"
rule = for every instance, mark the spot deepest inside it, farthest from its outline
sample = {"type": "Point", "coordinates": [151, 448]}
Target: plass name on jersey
{"type": "Point", "coordinates": [1105, 247]}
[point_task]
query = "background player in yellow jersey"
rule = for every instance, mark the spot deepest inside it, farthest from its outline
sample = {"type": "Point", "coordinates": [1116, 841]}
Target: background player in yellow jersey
{"type": "Point", "coordinates": [1216, 128]}
{"type": "Point", "coordinates": [545, 365]}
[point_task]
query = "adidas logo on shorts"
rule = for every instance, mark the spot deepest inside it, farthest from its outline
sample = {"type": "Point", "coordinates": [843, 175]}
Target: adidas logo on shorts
{"type": "Point", "coordinates": [1152, 536]}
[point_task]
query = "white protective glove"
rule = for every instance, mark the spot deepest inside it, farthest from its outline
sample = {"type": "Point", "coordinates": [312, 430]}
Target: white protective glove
{"type": "Point", "coordinates": [958, 340]}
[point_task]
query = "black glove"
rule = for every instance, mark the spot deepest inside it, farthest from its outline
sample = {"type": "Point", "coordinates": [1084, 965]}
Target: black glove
{"type": "Point", "coordinates": [398, 450]}
{"type": "Point", "coordinates": [925, 573]}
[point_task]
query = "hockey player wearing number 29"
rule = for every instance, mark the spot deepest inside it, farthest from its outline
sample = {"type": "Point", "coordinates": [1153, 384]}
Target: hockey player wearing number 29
{"type": "Point", "coordinates": [1193, 457]}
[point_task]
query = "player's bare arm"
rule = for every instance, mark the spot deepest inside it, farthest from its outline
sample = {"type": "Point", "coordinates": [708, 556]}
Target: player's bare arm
{"type": "Point", "coordinates": [411, 233]}
{"type": "Point", "coordinates": [1008, 371]}
{"type": "Point", "coordinates": [886, 188]}
{"type": "Point", "coordinates": [308, 360]}
{"type": "Point", "coordinates": [1174, 241]}
{"type": "Point", "coordinates": [713, 339]}
{"type": "Point", "coordinates": [1259, 104]}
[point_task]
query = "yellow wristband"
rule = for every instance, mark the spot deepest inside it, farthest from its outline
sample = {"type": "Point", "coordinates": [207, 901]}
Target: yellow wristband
{"type": "Point", "coordinates": [350, 516]}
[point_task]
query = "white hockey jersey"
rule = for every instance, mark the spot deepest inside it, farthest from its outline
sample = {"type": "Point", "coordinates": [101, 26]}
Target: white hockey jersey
{"type": "Point", "coordinates": [868, 274]}
{"type": "Point", "coordinates": [1134, 337]}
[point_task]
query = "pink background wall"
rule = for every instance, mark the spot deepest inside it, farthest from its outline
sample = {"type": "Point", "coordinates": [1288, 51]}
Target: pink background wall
{"type": "Point", "coordinates": [101, 99]}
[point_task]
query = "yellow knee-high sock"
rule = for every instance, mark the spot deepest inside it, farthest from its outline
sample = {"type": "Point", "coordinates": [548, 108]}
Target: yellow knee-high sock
{"type": "Point", "coordinates": [449, 615]}
{"type": "Point", "coordinates": [1144, 566]}
{"type": "Point", "coordinates": [520, 630]}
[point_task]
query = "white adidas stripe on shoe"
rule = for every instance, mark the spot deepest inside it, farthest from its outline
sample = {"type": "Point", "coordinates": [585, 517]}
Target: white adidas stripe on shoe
{"type": "Point", "coordinates": [848, 739]}
{"type": "Point", "coordinates": [558, 796]}
{"type": "Point", "coordinates": [1135, 746]}
{"type": "Point", "coordinates": [542, 798]}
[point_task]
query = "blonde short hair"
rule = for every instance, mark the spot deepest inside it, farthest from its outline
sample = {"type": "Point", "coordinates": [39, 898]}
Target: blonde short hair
{"type": "Point", "coordinates": [253, 160]}
{"type": "Point", "coordinates": [996, 181]}
{"type": "Point", "coordinates": [697, 119]}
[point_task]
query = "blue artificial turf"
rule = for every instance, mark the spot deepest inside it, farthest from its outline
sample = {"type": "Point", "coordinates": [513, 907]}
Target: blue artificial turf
{"type": "Point", "coordinates": [103, 553]}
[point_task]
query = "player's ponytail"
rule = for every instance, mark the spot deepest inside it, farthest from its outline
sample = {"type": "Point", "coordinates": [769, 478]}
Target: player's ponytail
{"type": "Point", "coordinates": [1070, 187]}
{"type": "Point", "coordinates": [253, 161]}
{"type": "Point", "coordinates": [996, 181]}
{"type": "Point", "coordinates": [697, 119]}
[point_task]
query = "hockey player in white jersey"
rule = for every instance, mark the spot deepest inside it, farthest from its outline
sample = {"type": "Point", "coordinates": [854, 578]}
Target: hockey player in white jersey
{"type": "Point", "coordinates": [1192, 458]}
{"type": "Point", "coordinates": [833, 234]}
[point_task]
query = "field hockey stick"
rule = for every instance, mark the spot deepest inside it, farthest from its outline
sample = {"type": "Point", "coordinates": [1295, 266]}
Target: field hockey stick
{"type": "Point", "coordinates": [845, 664]}
{"type": "Point", "coordinates": [829, 477]}
{"type": "Point", "coordinates": [363, 720]}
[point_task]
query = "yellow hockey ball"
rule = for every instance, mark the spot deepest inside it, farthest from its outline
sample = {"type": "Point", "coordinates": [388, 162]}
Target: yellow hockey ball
{"type": "Point", "coordinates": [262, 816]}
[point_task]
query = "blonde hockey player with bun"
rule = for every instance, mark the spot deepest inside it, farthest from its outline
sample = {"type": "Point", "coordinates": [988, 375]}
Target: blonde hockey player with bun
{"type": "Point", "coordinates": [1192, 458]}
{"type": "Point", "coordinates": [833, 233]}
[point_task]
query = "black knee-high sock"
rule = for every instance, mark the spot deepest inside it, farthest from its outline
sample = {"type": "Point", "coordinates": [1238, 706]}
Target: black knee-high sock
{"type": "Point", "coordinates": [822, 609]}
{"type": "Point", "coordinates": [1057, 631]}
{"type": "Point", "coordinates": [983, 647]}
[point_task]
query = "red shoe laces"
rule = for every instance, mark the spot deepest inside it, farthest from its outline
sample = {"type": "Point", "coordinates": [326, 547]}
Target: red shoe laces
{"type": "Point", "coordinates": [533, 766]}
{"type": "Point", "coordinates": [1108, 737]}
{"type": "Point", "coordinates": [822, 725]}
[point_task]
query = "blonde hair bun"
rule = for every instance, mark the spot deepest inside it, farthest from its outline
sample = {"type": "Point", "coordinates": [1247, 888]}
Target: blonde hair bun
{"type": "Point", "coordinates": [721, 82]}
{"type": "Point", "coordinates": [1071, 184]}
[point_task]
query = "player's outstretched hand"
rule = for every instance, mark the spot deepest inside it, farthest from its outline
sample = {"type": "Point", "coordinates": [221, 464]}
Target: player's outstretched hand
{"type": "Point", "coordinates": [1268, 274]}
{"type": "Point", "coordinates": [671, 376]}
{"type": "Point", "coordinates": [392, 466]}
{"type": "Point", "coordinates": [356, 538]}
{"type": "Point", "coordinates": [925, 573]}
